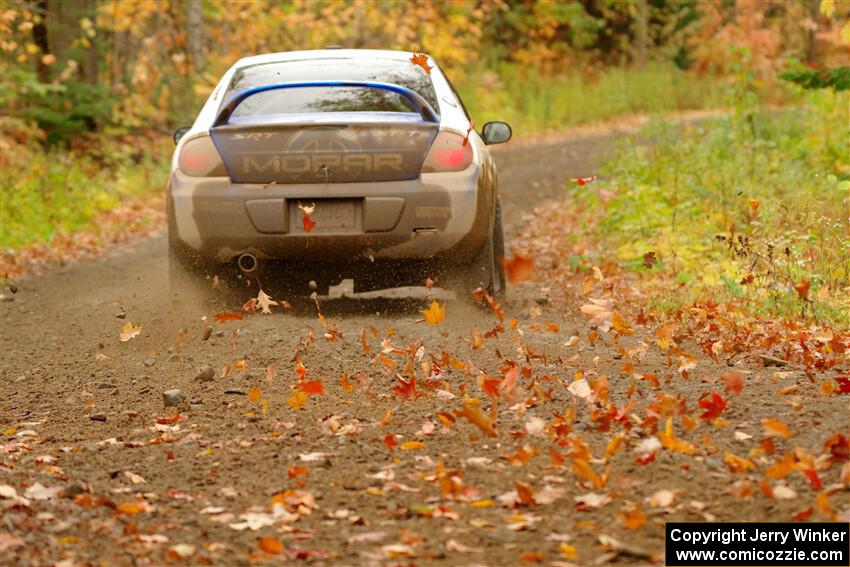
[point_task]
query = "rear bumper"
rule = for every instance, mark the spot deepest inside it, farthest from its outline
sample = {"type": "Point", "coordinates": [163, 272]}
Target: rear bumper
{"type": "Point", "coordinates": [437, 215]}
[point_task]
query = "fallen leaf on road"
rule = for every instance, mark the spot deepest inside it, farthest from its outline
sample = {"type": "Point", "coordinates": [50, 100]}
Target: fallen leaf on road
{"type": "Point", "coordinates": [270, 545]}
{"type": "Point", "coordinates": [129, 331]}
{"type": "Point", "coordinates": [775, 428]}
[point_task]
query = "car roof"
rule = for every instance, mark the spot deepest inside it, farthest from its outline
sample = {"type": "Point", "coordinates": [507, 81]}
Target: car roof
{"type": "Point", "coordinates": [285, 56]}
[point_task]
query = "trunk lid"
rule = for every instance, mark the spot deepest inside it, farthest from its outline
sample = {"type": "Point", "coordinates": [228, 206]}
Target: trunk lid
{"type": "Point", "coordinates": [324, 132]}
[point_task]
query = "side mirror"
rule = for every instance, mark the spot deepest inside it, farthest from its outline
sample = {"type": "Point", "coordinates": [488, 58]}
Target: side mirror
{"type": "Point", "coordinates": [179, 133]}
{"type": "Point", "coordinates": [496, 133]}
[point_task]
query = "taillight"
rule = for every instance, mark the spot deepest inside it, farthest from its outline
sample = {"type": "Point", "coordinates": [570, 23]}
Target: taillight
{"type": "Point", "coordinates": [199, 158]}
{"type": "Point", "coordinates": [448, 153]}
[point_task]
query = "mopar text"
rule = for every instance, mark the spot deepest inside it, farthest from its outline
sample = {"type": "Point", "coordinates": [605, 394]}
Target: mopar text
{"type": "Point", "coordinates": [300, 163]}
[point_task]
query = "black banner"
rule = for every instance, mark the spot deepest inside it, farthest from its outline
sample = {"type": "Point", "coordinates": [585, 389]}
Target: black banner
{"type": "Point", "coordinates": [759, 544]}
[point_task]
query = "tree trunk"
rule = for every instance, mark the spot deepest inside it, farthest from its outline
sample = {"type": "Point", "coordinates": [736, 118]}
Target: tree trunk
{"type": "Point", "coordinates": [195, 33]}
{"type": "Point", "coordinates": [39, 38]}
{"type": "Point", "coordinates": [641, 31]}
{"type": "Point", "coordinates": [812, 37]}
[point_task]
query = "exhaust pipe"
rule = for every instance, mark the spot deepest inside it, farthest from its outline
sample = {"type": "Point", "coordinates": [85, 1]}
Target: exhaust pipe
{"type": "Point", "coordinates": [247, 263]}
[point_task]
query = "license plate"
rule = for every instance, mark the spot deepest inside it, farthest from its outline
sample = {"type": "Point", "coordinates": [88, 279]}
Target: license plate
{"type": "Point", "coordinates": [329, 216]}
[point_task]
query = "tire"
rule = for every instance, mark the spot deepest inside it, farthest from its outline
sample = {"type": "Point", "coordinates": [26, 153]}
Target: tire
{"type": "Point", "coordinates": [486, 270]}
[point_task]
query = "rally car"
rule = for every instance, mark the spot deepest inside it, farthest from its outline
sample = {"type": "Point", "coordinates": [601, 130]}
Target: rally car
{"type": "Point", "coordinates": [322, 165]}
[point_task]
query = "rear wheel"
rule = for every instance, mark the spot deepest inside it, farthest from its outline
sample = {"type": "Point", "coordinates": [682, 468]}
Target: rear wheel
{"type": "Point", "coordinates": [486, 270]}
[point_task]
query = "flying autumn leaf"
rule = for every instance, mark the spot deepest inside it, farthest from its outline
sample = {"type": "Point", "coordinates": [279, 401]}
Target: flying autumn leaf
{"type": "Point", "coordinates": [713, 406]}
{"type": "Point", "coordinates": [435, 313]}
{"type": "Point", "coordinates": [254, 394]}
{"type": "Point", "coordinates": [480, 295]}
{"type": "Point", "coordinates": [227, 316]}
{"type": "Point", "coordinates": [129, 331]}
{"type": "Point", "coordinates": [297, 400]}
{"type": "Point", "coordinates": [421, 60]}
{"type": "Point", "coordinates": [519, 268]}
{"type": "Point", "coordinates": [522, 455]}
{"type": "Point", "coordinates": [265, 302]}
{"type": "Point", "coordinates": [600, 312]}
{"type": "Point", "coordinates": [775, 428]}
{"type": "Point", "coordinates": [473, 413]}
{"type": "Point", "coordinates": [583, 469]}
{"type": "Point", "coordinates": [733, 381]}
{"type": "Point", "coordinates": [669, 441]}
{"type": "Point", "coordinates": [736, 464]}
{"type": "Point", "coordinates": [300, 369]}
{"type": "Point", "coordinates": [307, 220]}
{"type": "Point", "coordinates": [631, 516]}
{"type": "Point", "coordinates": [313, 387]}
{"type": "Point", "coordinates": [649, 260]}
{"type": "Point", "coordinates": [389, 441]}
{"type": "Point", "coordinates": [525, 495]}
{"type": "Point", "coordinates": [406, 388]}
{"type": "Point", "coordinates": [843, 384]}
{"type": "Point", "coordinates": [466, 138]}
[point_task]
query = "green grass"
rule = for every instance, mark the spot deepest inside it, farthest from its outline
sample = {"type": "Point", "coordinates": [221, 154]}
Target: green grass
{"type": "Point", "coordinates": [532, 103]}
{"type": "Point", "coordinates": [741, 208]}
{"type": "Point", "coordinates": [59, 192]}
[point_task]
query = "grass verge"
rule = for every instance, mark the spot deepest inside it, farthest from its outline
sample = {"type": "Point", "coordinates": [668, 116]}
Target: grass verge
{"type": "Point", "coordinates": [750, 209]}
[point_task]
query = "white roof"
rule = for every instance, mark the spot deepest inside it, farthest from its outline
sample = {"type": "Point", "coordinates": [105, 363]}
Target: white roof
{"type": "Point", "coordinates": [284, 56]}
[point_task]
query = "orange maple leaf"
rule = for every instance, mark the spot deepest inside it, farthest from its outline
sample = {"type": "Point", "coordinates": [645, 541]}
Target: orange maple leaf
{"type": "Point", "coordinates": [270, 545]}
{"type": "Point", "coordinates": [473, 413]}
{"type": "Point", "coordinates": [631, 516]}
{"type": "Point", "coordinates": [421, 60]}
{"type": "Point", "coordinates": [300, 369]}
{"type": "Point", "coordinates": [406, 389]}
{"type": "Point", "coordinates": [713, 406]}
{"type": "Point", "coordinates": [583, 469]}
{"type": "Point", "coordinates": [435, 313]}
{"type": "Point", "coordinates": [524, 493]}
{"type": "Point", "coordinates": [775, 428]}
{"type": "Point", "coordinates": [733, 381]}
{"type": "Point", "coordinates": [296, 471]}
{"type": "Point", "coordinates": [519, 268]}
{"type": "Point", "coordinates": [522, 455]}
{"type": "Point", "coordinates": [736, 464]}
{"type": "Point", "coordinates": [297, 400]}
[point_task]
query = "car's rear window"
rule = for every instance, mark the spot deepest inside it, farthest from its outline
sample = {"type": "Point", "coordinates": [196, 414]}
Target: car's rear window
{"type": "Point", "coordinates": [330, 99]}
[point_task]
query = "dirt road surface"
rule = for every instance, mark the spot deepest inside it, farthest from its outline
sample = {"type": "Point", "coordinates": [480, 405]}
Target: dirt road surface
{"type": "Point", "coordinates": [95, 470]}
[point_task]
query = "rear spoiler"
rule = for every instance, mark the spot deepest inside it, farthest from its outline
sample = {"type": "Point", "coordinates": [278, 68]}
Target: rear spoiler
{"type": "Point", "coordinates": [420, 104]}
